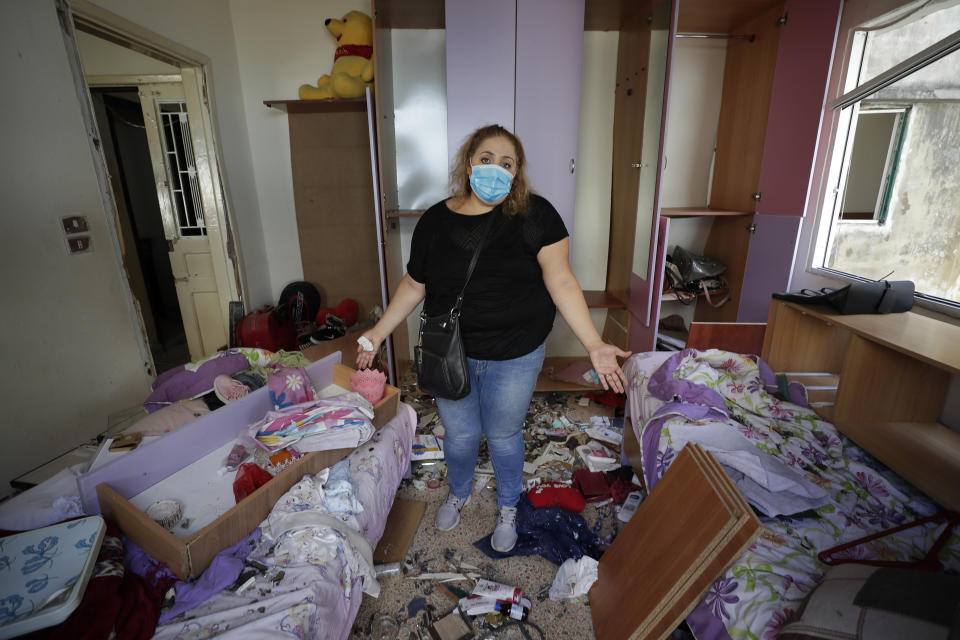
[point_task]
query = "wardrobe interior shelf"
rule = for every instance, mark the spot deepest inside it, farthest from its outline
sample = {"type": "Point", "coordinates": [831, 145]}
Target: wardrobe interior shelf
{"type": "Point", "coordinates": [690, 212]}
{"type": "Point", "coordinates": [670, 296]}
{"type": "Point", "coordinates": [404, 213]}
{"type": "Point", "coordinates": [318, 106]}
{"type": "Point", "coordinates": [601, 299]}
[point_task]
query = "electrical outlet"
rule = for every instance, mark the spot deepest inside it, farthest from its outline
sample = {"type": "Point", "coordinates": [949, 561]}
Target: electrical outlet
{"type": "Point", "coordinates": [79, 244]}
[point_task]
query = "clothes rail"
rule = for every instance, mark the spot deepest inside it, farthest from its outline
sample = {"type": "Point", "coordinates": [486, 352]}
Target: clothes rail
{"type": "Point", "coordinates": [728, 36]}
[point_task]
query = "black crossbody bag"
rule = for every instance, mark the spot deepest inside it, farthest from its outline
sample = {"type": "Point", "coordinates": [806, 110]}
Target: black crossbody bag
{"type": "Point", "coordinates": [439, 358]}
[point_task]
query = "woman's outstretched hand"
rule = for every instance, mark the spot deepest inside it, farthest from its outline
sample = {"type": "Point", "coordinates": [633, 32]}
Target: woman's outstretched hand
{"type": "Point", "coordinates": [604, 359]}
{"type": "Point", "coordinates": [364, 357]}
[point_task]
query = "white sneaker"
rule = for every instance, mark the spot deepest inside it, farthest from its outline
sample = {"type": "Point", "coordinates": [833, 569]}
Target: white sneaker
{"type": "Point", "coordinates": [448, 517]}
{"type": "Point", "coordinates": [505, 535]}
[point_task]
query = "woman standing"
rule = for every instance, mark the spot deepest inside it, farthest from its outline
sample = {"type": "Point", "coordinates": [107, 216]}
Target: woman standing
{"type": "Point", "coordinates": [521, 278]}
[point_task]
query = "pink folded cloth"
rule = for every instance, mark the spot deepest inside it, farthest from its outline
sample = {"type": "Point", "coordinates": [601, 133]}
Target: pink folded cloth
{"type": "Point", "coordinates": [289, 386]}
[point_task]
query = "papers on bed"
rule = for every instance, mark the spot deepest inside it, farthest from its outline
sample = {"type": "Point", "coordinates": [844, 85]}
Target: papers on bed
{"type": "Point", "coordinates": [766, 482]}
{"type": "Point", "coordinates": [337, 422]}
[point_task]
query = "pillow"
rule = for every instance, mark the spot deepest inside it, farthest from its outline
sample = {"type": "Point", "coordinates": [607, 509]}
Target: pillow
{"type": "Point", "coordinates": [169, 418]}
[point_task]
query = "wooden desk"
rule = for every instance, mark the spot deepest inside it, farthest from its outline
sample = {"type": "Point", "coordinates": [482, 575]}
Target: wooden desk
{"type": "Point", "coordinates": [892, 373]}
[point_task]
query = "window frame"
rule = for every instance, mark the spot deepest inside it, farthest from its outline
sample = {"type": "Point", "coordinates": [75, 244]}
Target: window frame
{"type": "Point", "coordinates": [836, 163]}
{"type": "Point", "coordinates": [891, 166]}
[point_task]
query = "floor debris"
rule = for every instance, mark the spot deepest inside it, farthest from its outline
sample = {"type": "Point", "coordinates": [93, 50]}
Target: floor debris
{"type": "Point", "coordinates": [442, 571]}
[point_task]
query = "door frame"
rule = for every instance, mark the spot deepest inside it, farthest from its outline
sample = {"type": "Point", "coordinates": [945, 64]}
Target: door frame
{"type": "Point", "coordinates": [195, 78]}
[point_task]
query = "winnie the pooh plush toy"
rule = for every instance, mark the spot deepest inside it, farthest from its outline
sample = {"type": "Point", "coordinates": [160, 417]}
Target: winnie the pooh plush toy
{"type": "Point", "coordinates": [352, 68]}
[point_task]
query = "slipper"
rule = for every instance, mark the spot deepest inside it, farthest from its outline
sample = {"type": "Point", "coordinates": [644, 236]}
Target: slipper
{"type": "Point", "coordinates": [228, 389]}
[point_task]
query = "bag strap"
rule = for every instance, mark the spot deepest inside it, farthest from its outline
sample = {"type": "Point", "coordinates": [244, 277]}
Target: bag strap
{"type": "Point", "coordinates": [455, 311]}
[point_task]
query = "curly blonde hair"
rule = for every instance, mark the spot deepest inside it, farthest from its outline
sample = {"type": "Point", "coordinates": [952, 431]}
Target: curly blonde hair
{"type": "Point", "coordinates": [519, 198]}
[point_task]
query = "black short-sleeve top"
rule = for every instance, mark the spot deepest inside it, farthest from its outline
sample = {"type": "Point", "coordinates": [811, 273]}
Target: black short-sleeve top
{"type": "Point", "coordinates": [507, 310]}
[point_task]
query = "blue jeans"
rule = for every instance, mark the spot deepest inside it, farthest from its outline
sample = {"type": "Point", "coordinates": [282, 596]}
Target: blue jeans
{"type": "Point", "coordinates": [500, 393]}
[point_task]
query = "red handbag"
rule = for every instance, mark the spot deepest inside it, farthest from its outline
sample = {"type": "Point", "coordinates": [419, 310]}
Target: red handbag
{"type": "Point", "coordinates": [264, 329]}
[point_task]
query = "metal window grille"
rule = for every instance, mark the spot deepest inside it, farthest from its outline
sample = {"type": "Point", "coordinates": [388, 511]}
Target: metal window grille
{"type": "Point", "coordinates": [181, 168]}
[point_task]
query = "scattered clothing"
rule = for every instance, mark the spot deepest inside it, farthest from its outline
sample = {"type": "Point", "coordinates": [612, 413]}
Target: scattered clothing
{"type": "Point", "coordinates": [117, 603]}
{"type": "Point", "coordinates": [552, 533]}
{"type": "Point", "coordinates": [556, 494]}
{"type": "Point", "coordinates": [222, 572]}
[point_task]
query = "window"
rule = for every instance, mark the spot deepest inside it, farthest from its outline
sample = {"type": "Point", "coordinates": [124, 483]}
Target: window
{"type": "Point", "coordinates": [893, 202]}
{"type": "Point", "coordinates": [875, 153]}
{"type": "Point", "coordinates": [181, 168]}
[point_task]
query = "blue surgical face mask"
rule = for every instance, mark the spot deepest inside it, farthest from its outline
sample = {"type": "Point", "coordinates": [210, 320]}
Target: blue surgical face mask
{"type": "Point", "coordinates": [490, 182]}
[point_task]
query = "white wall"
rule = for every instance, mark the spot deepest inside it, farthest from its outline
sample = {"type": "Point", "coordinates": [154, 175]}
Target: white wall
{"type": "Point", "coordinates": [70, 353]}
{"type": "Point", "coordinates": [206, 27]}
{"type": "Point", "coordinates": [278, 48]}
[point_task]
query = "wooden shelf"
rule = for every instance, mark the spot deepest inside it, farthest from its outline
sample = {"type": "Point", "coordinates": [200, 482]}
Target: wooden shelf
{"type": "Point", "coordinates": [546, 384]}
{"type": "Point", "coordinates": [694, 212]}
{"type": "Point", "coordinates": [601, 299]}
{"type": "Point", "coordinates": [318, 106]}
{"type": "Point", "coordinates": [672, 297]}
{"type": "Point", "coordinates": [929, 340]}
{"type": "Point", "coordinates": [404, 213]}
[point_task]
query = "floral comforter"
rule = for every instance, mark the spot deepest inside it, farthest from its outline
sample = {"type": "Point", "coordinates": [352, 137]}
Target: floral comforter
{"type": "Point", "coordinates": [693, 396]}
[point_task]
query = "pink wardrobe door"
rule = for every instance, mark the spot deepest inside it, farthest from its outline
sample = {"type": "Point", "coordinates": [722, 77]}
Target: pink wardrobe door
{"type": "Point", "coordinates": [769, 263]}
{"type": "Point", "coordinates": [549, 55]}
{"type": "Point", "coordinates": [796, 107]}
{"type": "Point", "coordinates": [481, 51]}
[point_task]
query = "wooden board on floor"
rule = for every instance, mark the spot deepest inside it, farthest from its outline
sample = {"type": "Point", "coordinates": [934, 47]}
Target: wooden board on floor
{"type": "Point", "coordinates": [692, 526]}
{"type": "Point", "coordinates": [398, 533]}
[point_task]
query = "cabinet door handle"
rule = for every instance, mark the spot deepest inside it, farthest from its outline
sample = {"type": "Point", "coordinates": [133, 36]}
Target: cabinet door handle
{"type": "Point", "coordinates": [573, 165]}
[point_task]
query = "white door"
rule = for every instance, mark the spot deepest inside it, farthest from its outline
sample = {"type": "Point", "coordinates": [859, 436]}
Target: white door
{"type": "Point", "coordinates": [168, 128]}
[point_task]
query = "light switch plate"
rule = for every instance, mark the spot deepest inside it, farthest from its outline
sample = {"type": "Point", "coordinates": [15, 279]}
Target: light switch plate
{"type": "Point", "coordinates": [74, 224]}
{"type": "Point", "coordinates": [79, 244]}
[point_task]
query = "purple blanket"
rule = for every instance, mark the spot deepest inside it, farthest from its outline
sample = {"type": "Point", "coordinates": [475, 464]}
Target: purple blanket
{"type": "Point", "coordinates": [182, 384]}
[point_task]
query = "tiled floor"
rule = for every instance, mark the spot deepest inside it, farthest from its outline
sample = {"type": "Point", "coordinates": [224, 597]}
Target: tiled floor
{"type": "Point", "coordinates": [401, 596]}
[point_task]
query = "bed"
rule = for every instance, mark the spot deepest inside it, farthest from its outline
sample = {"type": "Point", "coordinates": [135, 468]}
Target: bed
{"type": "Point", "coordinates": [315, 594]}
{"type": "Point", "coordinates": [727, 403]}
{"type": "Point", "coordinates": [311, 600]}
